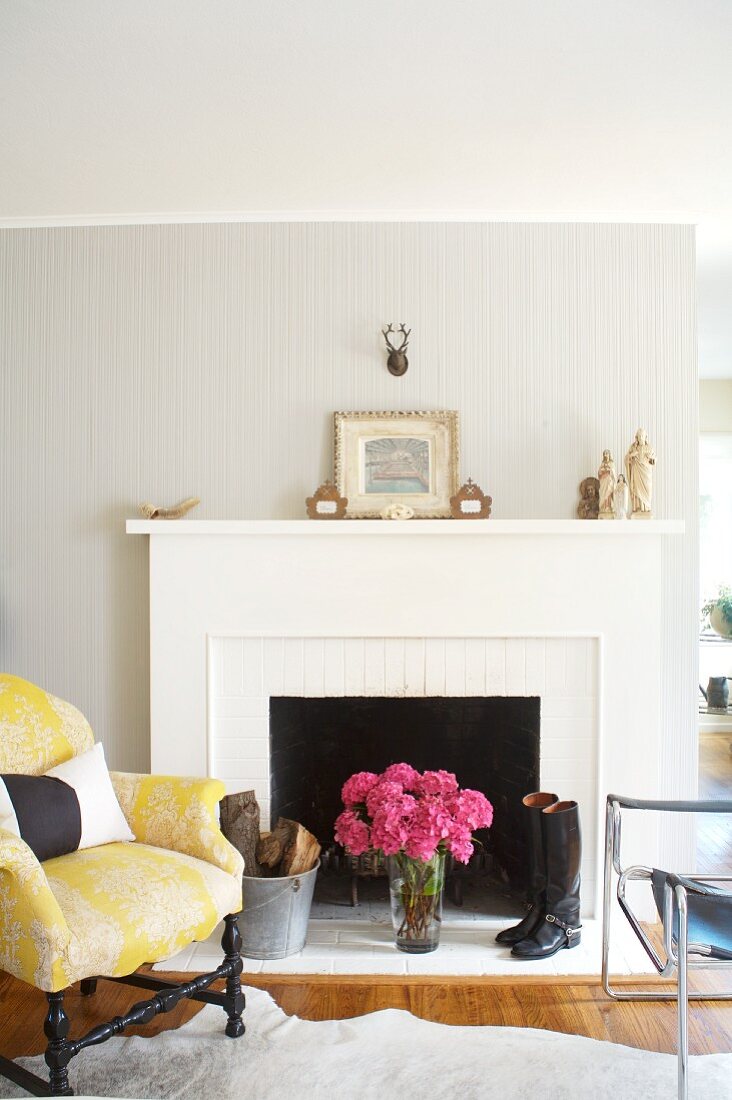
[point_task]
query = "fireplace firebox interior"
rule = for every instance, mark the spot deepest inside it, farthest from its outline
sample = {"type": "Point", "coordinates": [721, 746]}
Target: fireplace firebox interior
{"type": "Point", "coordinates": [491, 744]}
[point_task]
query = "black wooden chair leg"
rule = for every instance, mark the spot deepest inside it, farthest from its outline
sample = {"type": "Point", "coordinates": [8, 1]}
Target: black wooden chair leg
{"type": "Point", "coordinates": [58, 1052]}
{"type": "Point", "coordinates": [231, 943]}
{"type": "Point", "coordinates": [88, 986]}
{"type": "Point", "coordinates": [61, 1049]}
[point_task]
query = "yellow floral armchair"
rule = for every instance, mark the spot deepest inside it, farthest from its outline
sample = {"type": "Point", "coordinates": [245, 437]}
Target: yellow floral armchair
{"type": "Point", "coordinates": [104, 911]}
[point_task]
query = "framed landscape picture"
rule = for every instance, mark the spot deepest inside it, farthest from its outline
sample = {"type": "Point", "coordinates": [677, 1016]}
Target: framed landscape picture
{"type": "Point", "coordinates": [384, 458]}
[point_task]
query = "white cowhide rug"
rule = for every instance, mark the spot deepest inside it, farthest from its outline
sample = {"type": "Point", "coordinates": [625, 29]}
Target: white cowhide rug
{"type": "Point", "coordinates": [388, 1055]}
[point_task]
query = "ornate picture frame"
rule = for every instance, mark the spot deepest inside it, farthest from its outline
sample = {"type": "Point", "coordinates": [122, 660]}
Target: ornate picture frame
{"type": "Point", "coordinates": [384, 458]}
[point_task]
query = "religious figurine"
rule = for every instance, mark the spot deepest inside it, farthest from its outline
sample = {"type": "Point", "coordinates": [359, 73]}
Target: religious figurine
{"type": "Point", "coordinates": [621, 498]}
{"type": "Point", "coordinates": [607, 479]}
{"type": "Point", "coordinates": [639, 463]}
{"type": "Point", "coordinates": [589, 498]}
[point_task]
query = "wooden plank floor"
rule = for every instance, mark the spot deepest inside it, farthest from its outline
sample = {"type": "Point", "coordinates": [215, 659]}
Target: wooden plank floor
{"type": "Point", "coordinates": [576, 1006]}
{"type": "Point", "coordinates": [573, 1005]}
{"type": "Point", "coordinates": [714, 836]}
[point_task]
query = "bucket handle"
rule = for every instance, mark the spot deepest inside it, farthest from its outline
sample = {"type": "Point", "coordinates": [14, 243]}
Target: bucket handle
{"type": "Point", "coordinates": [294, 886]}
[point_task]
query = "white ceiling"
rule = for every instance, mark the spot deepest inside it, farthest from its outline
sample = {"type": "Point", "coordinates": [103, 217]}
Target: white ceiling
{"type": "Point", "coordinates": [575, 109]}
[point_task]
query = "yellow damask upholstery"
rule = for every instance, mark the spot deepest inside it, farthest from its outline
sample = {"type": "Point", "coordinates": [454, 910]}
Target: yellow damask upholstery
{"type": "Point", "coordinates": [107, 910]}
{"type": "Point", "coordinates": [168, 811]}
{"type": "Point", "coordinates": [37, 730]}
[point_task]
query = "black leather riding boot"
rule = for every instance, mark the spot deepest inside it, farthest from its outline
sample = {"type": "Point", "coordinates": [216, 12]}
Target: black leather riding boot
{"type": "Point", "coordinates": [534, 803]}
{"type": "Point", "coordinates": [560, 926]}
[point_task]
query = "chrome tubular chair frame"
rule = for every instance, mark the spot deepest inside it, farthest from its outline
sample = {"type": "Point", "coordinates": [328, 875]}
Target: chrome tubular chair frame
{"type": "Point", "coordinates": [678, 956]}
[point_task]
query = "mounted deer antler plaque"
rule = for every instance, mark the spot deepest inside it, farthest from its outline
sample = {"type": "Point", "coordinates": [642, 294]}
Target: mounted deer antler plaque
{"type": "Point", "coordinates": [397, 362]}
{"type": "Point", "coordinates": [470, 502]}
{"type": "Point", "coordinates": [326, 503]}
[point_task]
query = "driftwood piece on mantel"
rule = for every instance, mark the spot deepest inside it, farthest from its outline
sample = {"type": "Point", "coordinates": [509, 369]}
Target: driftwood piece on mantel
{"type": "Point", "coordinates": [240, 826]}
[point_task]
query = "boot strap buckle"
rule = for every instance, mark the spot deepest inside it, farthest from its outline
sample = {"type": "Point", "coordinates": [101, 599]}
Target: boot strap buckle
{"type": "Point", "coordinates": [565, 927]}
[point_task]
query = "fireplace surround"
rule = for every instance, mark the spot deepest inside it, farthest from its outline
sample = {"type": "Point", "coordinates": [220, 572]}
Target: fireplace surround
{"type": "Point", "coordinates": [241, 612]}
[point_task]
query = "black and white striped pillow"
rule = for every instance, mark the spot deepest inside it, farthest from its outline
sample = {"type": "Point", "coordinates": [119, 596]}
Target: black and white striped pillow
{"type": "Point", "coordinates": [72, 806]}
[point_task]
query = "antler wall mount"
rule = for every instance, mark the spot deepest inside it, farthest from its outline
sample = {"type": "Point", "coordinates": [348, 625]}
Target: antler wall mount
{"type": "Point", "coordinates": [397, 362]}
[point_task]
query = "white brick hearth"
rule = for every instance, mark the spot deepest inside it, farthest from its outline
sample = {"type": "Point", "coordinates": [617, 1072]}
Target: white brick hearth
{"type": "Point", "coordinates": [245, 671]}
{"type": "Point", "coordinates": [362, 947]}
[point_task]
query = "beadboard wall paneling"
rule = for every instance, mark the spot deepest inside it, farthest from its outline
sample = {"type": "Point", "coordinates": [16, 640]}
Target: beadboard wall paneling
{"type": "Point", "coordinates": [159, 361]}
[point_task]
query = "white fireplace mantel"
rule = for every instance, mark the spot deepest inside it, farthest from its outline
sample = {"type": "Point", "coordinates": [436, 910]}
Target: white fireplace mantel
{"type": "Point", "coordinates": [569, 610]}
{"type": "Point", "coordinates": [421, 578]}
{"type": "Point", "coordinates": [441, 527]}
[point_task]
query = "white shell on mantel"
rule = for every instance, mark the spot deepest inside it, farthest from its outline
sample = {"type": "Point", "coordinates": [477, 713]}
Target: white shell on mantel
{"type": "Point", "coordinates": [397, 511]}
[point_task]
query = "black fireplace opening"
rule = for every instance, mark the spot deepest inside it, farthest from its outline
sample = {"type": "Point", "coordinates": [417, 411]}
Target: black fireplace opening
{"type": "Point", "coordinates": [491, 744]}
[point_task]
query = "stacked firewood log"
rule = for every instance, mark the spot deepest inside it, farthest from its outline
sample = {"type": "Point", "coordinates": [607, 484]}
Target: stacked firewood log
{"type": "Point", "coordinates": [289, 849]}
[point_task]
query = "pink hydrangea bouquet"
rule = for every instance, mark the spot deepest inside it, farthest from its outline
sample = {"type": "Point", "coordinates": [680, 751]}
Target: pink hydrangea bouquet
{"type": "Point", "coordinates": [418, 813]}
{"type": "Point", "coordinates": [413, 818]}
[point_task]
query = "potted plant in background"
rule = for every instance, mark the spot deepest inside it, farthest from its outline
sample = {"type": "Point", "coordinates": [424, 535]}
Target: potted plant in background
{"type": "Point", "coordinates": [414, 819]}
{"type": "Point", "coordinates": [719, 612]}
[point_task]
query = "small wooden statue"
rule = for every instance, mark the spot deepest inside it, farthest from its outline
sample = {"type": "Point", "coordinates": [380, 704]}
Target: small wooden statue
{"type": "Point", "coordinates": [589, 505]}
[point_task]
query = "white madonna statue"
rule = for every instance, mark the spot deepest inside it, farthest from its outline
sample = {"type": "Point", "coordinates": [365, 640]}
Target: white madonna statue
{"type": "Point", "coordinates": [607, 479]}
{"type": "Point", "coordinates": [639, 463]}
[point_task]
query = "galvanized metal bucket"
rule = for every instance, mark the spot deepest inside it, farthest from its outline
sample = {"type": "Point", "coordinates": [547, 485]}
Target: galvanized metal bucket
{"type": "Point", "coordinates": [274, 917]}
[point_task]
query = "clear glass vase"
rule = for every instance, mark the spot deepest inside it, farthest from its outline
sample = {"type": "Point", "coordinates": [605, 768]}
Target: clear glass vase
{"type": "Point", "coordinates": [415, 887]}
